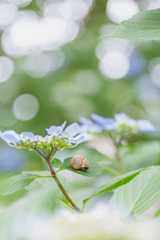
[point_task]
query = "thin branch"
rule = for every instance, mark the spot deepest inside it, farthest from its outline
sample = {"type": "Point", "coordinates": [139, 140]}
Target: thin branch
{"type": "Point", "coordinates": [40, 153]}
{"type": "Point", "coordinates": [118, 158]}
{"type": "Point", "coordinates": [62, 188]}
{"type": "Point", "coordinates": [51, 152]}
{"type": "Point", "coordinates": [55, 150]}
{"type": "Point", "coordinates": [122, 170]}
{"type": "Point", "coordinates": [53, 173]}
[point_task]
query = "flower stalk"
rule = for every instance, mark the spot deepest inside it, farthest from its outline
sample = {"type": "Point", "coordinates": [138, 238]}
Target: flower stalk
{"type": "Point", "coordinates": [121, 168]}
{"type": "Point", "coordinates": [53, 173]}
{"type": "Point", "coordinates": [118, 158]}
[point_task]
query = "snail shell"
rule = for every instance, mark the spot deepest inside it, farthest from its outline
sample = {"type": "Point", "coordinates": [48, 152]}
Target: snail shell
{"type": "Point", "coordinates": [79, 162]}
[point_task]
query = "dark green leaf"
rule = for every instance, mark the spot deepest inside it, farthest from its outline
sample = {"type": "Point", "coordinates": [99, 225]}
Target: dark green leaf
{"type": "Point", "coordinates": [113, 184]}
{"type": "Point", "coordinates": [94, 168]}
{"type": "Point", "coordinates": [143, 26]}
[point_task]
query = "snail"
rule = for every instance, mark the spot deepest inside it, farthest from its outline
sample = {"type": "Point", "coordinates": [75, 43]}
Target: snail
{"type": "Point", "coordinates": [79, 162]}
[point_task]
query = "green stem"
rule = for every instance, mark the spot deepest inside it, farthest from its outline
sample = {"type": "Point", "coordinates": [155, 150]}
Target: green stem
{"type": "Point", "coordinates": [114, 144]}
{"type": "Point", "coordinates": [53, 173]}
{"type": "Point", "coordinates": [122, 170]}
{"type": "Point", "coordinates": [40, 153]}
{"type": "Point", "coordinates": [62, 188]}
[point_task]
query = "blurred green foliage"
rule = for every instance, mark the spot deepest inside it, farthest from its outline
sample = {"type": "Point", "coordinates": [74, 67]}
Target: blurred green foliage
{"type": "Point", "coordinates": [77, 89]}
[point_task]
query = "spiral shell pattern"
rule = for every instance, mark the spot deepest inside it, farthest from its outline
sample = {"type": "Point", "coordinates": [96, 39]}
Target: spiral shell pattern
{"type": "Point", "coordinates": [78, 162]}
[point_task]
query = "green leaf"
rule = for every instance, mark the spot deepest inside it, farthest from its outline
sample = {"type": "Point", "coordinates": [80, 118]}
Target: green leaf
{"type": "Point", "coordinates": [16, 183]}
{"type": "Point", "coordinates": [140, 155]}
{"type": "Point", "coordinates": [56, 163]}
{"type": "Point", "coordinates": [143, 26]}
{"type": "Point", "coordinates": [112, 171]}
{"type": "Point", "coordinates": [113, 184]}
{"type": "Point", "coordinates": [39, 182]}
{"type": "Point", "coordinates": [35, 205]}
{"type": "Point", "coordinates": [43, 160]}
{"type": "Point", "coordinates": [49, 183]}
{"type": "Point", "coordinates": [157, 214]}
{"type": "Point", "coordinates": [139, 148]}
{"type": "Point", "coordinates": [139, 194]}
{"type": "Point", "coordinates": [94, 168]}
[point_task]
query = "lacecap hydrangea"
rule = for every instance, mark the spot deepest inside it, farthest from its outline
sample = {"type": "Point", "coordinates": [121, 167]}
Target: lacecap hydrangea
{"type": "Point", "coordinates": [57, 138]}
{"type": "Point", "coordinates": [117, 128]}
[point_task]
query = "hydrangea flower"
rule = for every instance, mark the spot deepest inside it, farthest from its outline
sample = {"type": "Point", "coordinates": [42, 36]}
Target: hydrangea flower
{"type": "Point", "coordinates": [80, 138]}
{"type": "Point", "coordinates": [71, 131]}
{"type": "Point", "coordinates": [107, 122]}
{"type": "Point", "coordinates": [56, 139]}
{"type": "Point", "coordinates": [89, 126]}
{"type": "Point", "coordinates": [56, 130]}
{"type": "Point", "coordinates": [117, 128]}
{"type": "Point", "coordinates": [28, 134]}
{"type": "Point", "coordinates": [10, 136]}
{"type": "Point", "coordinates": [136, 126]}
{"type": "Point", "coordinates": [145, 126]}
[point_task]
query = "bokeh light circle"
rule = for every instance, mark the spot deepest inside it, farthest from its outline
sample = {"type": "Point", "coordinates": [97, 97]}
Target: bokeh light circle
{"type": "Point", "coordinates": [119, 11]}
{"type": "Point", "coordinates": [107, 45]}
{"type": "Point", "coordinates": [153, 5]}
{"type": "Point", "coordinates": [7, 14]}
{"type": "Point", "coordinates": [30, 35]}
{"type": "Point", "coordinates": [25, 107]}
{"type": "Point", "coordinates": [37, 66]}
{"type": "Point", "coordinates": [155, 75]}
{"type": "Point", "coordinates": [20, 3]}
{"type": "Point", "coordinates": [87, 81]}
{"type": "Point", "coordinates": [7, 117]}
{"type": "Point", "coordinates": [114, 65]}
{"type": "Point", "coordinates": [6, 68]}
{"type": "Point", "coordinates": [69, 9]}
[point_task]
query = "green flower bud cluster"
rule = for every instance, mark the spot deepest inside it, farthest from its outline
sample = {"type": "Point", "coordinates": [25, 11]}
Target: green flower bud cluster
{"type": "Point", "coordinates": [48, 142]}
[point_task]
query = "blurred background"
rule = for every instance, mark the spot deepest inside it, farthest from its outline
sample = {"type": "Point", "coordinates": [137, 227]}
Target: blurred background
{"type": "Point", "coordinates": [53, 68]}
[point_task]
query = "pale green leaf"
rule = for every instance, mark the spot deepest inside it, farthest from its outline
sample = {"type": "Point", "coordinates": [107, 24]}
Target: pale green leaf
{"type": "Point", "coordinates": [157, 214]}
{"type": "Point", "coordinates": [94, 168]}
{"type": "Point", "coordinates": [139, 194]}
{"type": "Point", "coordinates": [142, 26]}
{"type": "Point", "coordinates": [49, 183]}
{"type": "Point", "coordinates": [140, 155]}
{"type": "Point", "coordinates": [111, 170]}
{"type": "Point", "coordinates": [32, 208]}
{"type": "Point", "coordinates": [40, 182]}
{"type": "Point", "coordinates": [113, 184]}
{"type": "Point", "coordinates": [43, 160]}
{"type": "Point", "coordinates": [56, 163]}
{"type": "Point", "coordinates": [16, 183]}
